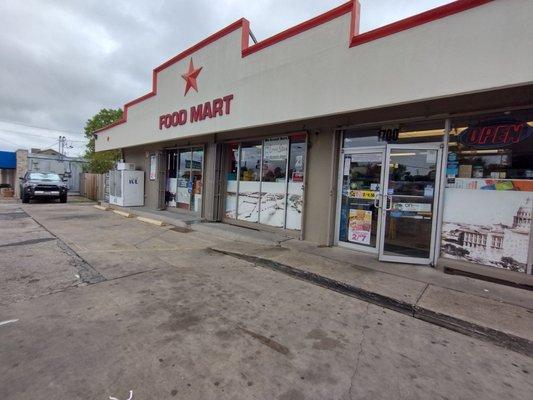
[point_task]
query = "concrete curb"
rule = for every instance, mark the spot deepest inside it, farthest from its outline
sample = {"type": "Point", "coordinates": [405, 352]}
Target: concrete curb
{"type": "Point", "coordinates": [499, 338]}
{"type": "Point", "coordinates": [151, 221]}
{"type": "Point", "coordinates": [123, 213]}
{"type": "Point", "coordinates": [209, 228]}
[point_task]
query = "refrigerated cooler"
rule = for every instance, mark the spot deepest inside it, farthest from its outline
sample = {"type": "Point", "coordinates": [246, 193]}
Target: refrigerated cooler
{"type": "Point", "coordinates": [126, 188]}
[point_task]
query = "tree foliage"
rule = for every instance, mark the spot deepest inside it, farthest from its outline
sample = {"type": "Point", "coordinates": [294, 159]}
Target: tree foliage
{"type": "Point", "coordinates": [102, 161]}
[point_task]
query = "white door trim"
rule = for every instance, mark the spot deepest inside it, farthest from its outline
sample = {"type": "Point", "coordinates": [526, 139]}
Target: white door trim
{"type": "Point", "coordinates": [359, 150]}
{"type": "Point", "coordinates": [385, 187]}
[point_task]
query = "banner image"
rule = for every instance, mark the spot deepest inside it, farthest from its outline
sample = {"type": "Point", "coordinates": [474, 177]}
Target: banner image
{"type": "Point", "coordinates": [489, 227]}
{"type": "Point", "coordinates": [360, 226]}
{"type": "Point", "coordinates": [153, 167]}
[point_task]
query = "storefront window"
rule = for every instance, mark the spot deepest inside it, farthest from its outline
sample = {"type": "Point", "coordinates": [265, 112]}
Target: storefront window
{"type": "Point", "coordinates": [489, 191]}
{"type": "Point", "coordinates": [265, 181]}
{"type": "Point", "coordinates": [274, 181]}
{"type": "Point", "coordinates": [295, 190]}
{"type": "Point", "coordinates": [249, 182]}
{"type": "Point", "coordinates": [232, 156]}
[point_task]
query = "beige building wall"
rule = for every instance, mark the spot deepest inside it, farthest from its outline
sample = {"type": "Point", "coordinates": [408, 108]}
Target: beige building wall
{"type": "Point", "coordinates": [320, 186]}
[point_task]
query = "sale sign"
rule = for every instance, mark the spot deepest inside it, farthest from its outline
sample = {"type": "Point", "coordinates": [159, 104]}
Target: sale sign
{"type": "Point", "coordinates": [360, 226]}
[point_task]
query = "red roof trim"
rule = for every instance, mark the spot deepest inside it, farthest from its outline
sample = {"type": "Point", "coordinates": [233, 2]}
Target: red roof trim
{"type": "Point", "coordinates": [241, 23]}
{"type": "Point", "coordinates": [355, 38]}
{"type": "Point", "coordinates": [416, 20]}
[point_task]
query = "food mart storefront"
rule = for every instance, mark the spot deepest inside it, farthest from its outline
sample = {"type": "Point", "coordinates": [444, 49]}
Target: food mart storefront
{"type": "Point", "coordinates": [268, 121]}
{"type": "Point", "coordinates": [460, 189]}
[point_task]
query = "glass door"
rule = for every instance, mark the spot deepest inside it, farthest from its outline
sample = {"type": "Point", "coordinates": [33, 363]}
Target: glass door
{"type": "Point", "coordinates": [360, 201]}
{"type": "Point", "coordinates": [185, 184]}
{"type": "Point", "coordinates": [409, 203]}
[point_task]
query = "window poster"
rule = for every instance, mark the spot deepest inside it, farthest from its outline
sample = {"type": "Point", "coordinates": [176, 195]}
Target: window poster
{"type": "Point", "coordinates": [153, 167]}
{"type": "Point", "coordinates": [276, 149]}
{"type": "Point", "coordinates": [489, 227]}
{"type": "Point", "coordinates": [183, 194]}
{"type": "Point", "coordinates": [360, 226]}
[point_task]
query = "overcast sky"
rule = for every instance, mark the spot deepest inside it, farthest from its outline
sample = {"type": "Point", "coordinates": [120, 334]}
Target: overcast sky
{"type": "Point", "coordinates": [61, 61]}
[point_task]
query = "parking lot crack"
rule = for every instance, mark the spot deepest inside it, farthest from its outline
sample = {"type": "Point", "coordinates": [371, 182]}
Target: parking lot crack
{"type": "Point", "coordinates": [27, 242]}
{"type": "Point", "coordinates": [360, 350]}
{"type": "Point", "coordinates": [87, 274]}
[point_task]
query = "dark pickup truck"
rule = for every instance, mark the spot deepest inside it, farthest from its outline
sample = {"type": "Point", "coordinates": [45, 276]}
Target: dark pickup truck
{"type": "Point", "coordinates": [43, 185]}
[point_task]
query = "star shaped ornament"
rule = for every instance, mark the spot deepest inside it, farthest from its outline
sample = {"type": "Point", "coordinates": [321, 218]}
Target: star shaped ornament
{"type": "Point", "coordinates": [190, 77]}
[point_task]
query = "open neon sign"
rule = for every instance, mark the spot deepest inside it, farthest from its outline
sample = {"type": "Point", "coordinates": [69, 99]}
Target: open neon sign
{"type": "Point", "coordinates": [495, 134]}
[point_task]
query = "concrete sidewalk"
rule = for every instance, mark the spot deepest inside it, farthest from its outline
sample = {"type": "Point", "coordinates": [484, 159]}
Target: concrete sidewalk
{"type": "Point", "coordinates": [490, 311]}
{"type": "Point", "coordinates": [196, 223]}
{"type": "Point", "coordinates": [499, 314]}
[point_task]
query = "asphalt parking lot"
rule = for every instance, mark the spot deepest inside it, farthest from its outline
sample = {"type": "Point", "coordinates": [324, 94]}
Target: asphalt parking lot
{"type": "Point", "coordinates": [94, 305]}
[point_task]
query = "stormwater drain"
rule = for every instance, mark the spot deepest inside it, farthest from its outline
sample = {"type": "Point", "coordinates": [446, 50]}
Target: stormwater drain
{"type": "Point", "coordinates": [180, 229]}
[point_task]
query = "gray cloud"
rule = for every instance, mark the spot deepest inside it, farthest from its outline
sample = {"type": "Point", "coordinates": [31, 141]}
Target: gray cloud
{"type": "Point", "coordinates": [62, 61]}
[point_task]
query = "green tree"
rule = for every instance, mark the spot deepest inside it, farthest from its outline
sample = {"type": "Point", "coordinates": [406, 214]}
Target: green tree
{"type": "Point", "coordinates": [102, 161]}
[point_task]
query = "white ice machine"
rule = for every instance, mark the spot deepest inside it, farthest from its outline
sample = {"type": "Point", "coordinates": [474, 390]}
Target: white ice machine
{"type": "Point", "coordinates": [126, 188]}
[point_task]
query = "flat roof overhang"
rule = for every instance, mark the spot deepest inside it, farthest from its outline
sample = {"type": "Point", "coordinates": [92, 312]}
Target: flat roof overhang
{"type": "Point", "coordinates": [508, 99]}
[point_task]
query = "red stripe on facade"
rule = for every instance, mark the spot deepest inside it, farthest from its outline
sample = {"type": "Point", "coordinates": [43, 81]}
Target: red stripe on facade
{"type": "Point", "coordinates": [355, 38]}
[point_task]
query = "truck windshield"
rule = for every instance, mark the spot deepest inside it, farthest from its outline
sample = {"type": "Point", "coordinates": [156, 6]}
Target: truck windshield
{"type": "Point", "coordinates": [43, 176]}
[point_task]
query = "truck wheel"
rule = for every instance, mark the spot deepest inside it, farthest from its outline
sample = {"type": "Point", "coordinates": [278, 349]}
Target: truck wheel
{"type": "Point", "coordinates": [63, 199]}
{"type": "Point", "coordinates": [25, 199]}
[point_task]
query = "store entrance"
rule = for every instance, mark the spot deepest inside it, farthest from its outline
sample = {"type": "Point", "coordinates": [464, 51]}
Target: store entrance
{"type": "Point", "coordinates": [184, 179]}
{"type": "Point", "coordinates": [387, 204]}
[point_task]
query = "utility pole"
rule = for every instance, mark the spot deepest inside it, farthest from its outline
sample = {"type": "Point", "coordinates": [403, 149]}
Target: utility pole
{"type": "Point", "coordinates": [62, 143]}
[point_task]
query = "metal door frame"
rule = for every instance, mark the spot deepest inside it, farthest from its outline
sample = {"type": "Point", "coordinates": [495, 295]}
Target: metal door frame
{"type": "Point", "coordinates": [360, 150]}
{"type": "Point", "coordinates": [434, 218]}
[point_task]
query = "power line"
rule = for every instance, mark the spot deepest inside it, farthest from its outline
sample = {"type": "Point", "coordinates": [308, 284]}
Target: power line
{"type": "Point", "coordinates": [40, 127]}
{"type": "Point", "coordinates": [23, 134]}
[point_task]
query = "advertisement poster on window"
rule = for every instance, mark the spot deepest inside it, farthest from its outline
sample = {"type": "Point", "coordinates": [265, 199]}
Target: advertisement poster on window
{"type": "Point", "coordinates": [153, 166]}
{"type": "Point", "coordinates": [488, 227]}
{"type": "Point", "coordinates": [359, 226]}
{"type": "Point", "coordinates": [183, 194]}
{"type": "Point", "coordinates": [275, 149]}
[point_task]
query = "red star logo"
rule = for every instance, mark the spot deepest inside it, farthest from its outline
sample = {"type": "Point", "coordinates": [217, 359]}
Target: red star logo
{"type": "Point", "coordinates": [190, 77]}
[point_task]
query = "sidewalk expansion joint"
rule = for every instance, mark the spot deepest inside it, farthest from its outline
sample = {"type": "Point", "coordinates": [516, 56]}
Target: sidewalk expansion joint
{"type": "Point", "coordinates": [499, 338]}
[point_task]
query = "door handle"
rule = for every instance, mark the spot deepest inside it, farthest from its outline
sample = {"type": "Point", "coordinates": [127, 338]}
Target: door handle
{"type": "Point", "coordinates": [388, 203]}
{"type": "Point", "coordinates": [377, 203]}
